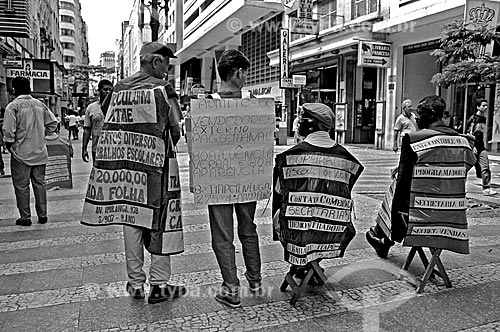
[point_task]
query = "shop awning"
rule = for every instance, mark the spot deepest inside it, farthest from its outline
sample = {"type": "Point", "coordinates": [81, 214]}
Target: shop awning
{"type": "Point", "coordinates": [219, 27]}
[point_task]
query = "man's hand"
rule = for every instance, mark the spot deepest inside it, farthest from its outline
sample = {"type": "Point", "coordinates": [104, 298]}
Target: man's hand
{"type": "Point", "coordinates": [85, 155]}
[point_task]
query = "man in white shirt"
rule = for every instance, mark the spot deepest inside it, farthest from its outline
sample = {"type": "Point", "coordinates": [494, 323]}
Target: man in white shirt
{"type": "Point", "coordinates": [94, 119]}
{"type": "Point", "coordinates": [406, 122]}
{"type": "Point", "coordinates": [26, 122]}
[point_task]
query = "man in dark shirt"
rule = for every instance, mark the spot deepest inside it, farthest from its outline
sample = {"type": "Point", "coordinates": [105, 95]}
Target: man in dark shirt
{"type": "Point", "coordinates": [476, 126]}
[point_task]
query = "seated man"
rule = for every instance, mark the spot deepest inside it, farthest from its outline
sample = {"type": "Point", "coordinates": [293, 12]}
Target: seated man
{"type": "Point", "coordinates": [312, 201]}
{"type": "Point", "coordinates": [426, 207]}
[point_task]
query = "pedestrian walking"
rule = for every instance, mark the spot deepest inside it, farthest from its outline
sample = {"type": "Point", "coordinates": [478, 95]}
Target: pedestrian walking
{"type": "Point", "coordinates": [26, 122]}
{"type": "Point", "coordinates": [429, 192]}
{"type": "Point", "coordinates": [233, 66]}
{"type": "Point", "coordinates": [476, 125]}
{"type": "Point", "coordinates": [2, 165]}
{"type": "Point", "coordinates": [94, 120]}
{"type": "Point", "coordinates": [405, 123]}
{"type": "Point", "coordinates": [325, 233]}
{"type": "Point", "coordinates": [72, 119]}
{"type": "Point", "coordinates": [140, 175]}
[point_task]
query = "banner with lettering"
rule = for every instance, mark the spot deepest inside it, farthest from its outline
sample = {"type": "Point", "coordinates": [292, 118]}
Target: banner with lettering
{"type": "Point", "coordinates": [58, 168]}
{"type": "Point", "coordinates": [383, 218]}
{"type": "Point", "coordinates": [232, 149]}
{"type": "Point", "coordinates": [437, 213]}
{"type": "Point", "coordinates": [135, 178]}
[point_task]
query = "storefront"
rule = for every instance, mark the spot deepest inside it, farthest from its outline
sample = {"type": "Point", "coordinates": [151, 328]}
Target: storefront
{"type": "Point", "coordinates": [46, 81]}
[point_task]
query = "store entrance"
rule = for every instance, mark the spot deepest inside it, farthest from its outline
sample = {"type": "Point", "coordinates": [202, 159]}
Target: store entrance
{"type": "Point", "coordinates": [364, 121]}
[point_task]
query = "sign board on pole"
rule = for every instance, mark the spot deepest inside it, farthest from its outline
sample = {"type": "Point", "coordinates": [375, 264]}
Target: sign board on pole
{"type": "Point", "coordinates": [304, 26]}
{"type": "Point", "coordinates": [284, 57]}
{"type": "Point", "coordinates": [374, 54]}
{"type": "Point", "coordinates": [299, 79]}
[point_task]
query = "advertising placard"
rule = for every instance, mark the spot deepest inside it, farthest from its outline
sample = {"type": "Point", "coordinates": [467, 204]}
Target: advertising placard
{"type": "Point", "coordinates": [232, 149]}
{"type": "Point", "coordinates": [284, 56]}
{"type": "Point", "coordinates": [374, 54]}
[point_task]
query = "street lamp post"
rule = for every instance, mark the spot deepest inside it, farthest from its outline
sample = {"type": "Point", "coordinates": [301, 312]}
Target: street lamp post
{"type": "Point", "coordinates": [154, 7]}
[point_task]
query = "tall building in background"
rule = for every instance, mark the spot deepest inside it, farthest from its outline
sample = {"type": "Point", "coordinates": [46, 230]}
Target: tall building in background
{"type": "Point", "coordinates": [107, 60]}
{"type": "Point", "coordinates": [73, 34]}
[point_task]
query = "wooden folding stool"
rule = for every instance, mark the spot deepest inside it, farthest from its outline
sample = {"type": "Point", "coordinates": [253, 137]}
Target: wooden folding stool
{"type": "Point", "coordinates": [297, 289]}
{"type": "Point", "coordinates": [429, 266]}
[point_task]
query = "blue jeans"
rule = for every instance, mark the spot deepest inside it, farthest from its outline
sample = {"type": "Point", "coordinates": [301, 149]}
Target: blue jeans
{"type": "Point", "coordinates": [222, 230]}
{"type": "Point", "coordinates": [483, 169]}
{"type": "Point", "coordinates": [21, 176]}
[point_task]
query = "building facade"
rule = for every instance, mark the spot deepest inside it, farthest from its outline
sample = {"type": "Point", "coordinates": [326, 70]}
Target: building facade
{"type": "Point", "coordinates": [30, 47]}
{"type": "Point", "coordinates": [73, 34]}
{"type": "Point", "coordinates": [360, 57]}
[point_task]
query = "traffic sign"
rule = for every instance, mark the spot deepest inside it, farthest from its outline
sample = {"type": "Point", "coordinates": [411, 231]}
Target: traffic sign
{"type": "Point", "coordinates": [374, 54]}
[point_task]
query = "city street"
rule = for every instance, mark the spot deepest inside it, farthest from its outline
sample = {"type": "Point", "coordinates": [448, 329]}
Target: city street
{"type": "Point", "coordinates": [63, 276]}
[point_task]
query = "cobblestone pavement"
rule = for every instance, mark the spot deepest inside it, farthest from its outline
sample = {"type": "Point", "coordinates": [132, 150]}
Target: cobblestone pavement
{"type": "Point", "coordinates": [63, 276]}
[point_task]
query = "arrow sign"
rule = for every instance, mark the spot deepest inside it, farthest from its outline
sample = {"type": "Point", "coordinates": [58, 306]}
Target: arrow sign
{"type": "Point", "coordinates": [375, 61]}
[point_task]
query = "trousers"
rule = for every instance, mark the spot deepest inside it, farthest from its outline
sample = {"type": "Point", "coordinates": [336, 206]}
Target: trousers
{"type": "Point", "coordinates": [22, 174]}
{"type": "Point", "coordinates": [159, 271]}
{"type": "Point", "coordinates": [482, 167]}
{"type": "Point", "coordinates": [222, 231]}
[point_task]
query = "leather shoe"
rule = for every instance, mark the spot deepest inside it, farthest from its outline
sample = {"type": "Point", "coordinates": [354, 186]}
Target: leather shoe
{"type": "Point", "coordinates": [160, 293]}
{"type": "Point", "coordinates": [380, 247]}
{"type": "Point", "coordinates": [42, 220]}
{"type": "Point", "coordinates": [23, 222]}
{"type": "Point", "coordinates": [136, 293]}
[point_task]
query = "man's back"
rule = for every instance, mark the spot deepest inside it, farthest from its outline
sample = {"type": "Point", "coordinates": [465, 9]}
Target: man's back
{"type": "Point", "coordinates": [25, 123]}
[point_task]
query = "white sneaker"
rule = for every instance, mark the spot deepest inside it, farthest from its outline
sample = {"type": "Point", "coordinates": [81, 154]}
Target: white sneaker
{"type": "Point", "coordinates": [489, 192]}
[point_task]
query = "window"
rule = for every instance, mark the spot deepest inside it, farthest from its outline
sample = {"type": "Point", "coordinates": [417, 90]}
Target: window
{"type": "Point", "coordinates": [67, 32]}
{"type": "Point", "coordinates": [68, 58]}
{"type": "Point", "coordinates": [363, 7]}
{"type": "Point", "coordinates": [255, 44]}
{"type": "Point", "coordinates": [67, 19]}
{"type": "Point", "coordinates": [327, 14]}
{"type": "Point", "coordinates": [191, 19]}
{"type": "Point", "coordinates": [66, 5]}
{"type": "Point", "coordinates": [68, 46]}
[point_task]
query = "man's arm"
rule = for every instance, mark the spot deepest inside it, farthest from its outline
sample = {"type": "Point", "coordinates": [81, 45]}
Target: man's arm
{"type": "Point", "coordinates": [175, 114]}
{"type": "Point", "coordinates": [50, 122]}
{"type": "Point", "coordinates": [9, 128]}
{"type": "Point", "coordinates": [395, 143]}
{"type": "Point", "coordinates": [87, 129]}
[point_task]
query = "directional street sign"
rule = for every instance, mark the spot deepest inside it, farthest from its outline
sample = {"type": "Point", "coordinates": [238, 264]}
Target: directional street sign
{"type": "Point", "coordinates": [374, 54]}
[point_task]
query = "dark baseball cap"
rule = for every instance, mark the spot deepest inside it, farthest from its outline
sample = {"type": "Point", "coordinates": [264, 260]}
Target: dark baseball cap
{"type": "Point", "coordinates": [321, 113]}
{"type": "Point", "coordinates": [156, 48]}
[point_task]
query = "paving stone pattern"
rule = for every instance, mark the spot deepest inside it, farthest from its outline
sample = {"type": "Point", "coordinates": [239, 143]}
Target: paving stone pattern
{"type": "Point", "coordinates": [363, 293]}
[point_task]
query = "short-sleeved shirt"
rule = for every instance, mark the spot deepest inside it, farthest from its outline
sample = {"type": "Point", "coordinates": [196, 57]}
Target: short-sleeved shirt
{"type": "Point", "coordinates": [94, 119]}
{"type": "Point", "coordinates": [72, 120]}
{"type": "Point", "coordinates": [27, 120]}
{"type": "Point", "coordinates": [405, 125]}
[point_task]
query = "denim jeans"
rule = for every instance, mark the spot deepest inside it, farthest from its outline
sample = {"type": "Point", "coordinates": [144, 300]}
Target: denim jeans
{"type": "Point", "coordinates": [21, 176]}
{"type": "Point", "coordinates": [222, 230]}
{"type": "Point", "coordinates": [483, 169]}
{"type": "Point", "coordinates": [159, 271]}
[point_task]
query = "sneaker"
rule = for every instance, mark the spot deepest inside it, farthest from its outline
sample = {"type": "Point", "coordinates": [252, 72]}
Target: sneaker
{"type": "Point", "coordinates": [254, 286]}
{"type": "Point", "coordinates": [380, 247]}
{"type": "Point", "coordinates": [42, 220]}
{"type": "Point", "coordinates": [160, 293]}
{"type": "Point", "coordinates": [136, 293]}
{"type": "Point", "coordinates": [231, 299]}
{"type": "Point", "coordinates": [489, 192]}
{"type": "Point", "coordinates": [23, 222]}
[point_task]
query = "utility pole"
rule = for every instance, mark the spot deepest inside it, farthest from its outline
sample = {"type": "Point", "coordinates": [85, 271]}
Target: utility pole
{"type": "Point", "coordinates": [154, 23]}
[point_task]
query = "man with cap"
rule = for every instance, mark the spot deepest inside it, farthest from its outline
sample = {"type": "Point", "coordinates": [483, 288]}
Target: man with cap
{"type": "Point", "coordinates": [428, 195]}
{"type": "Point", "coordinates": [136, 155]}
{"type": "Point", "coordinates": [312, 201]}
